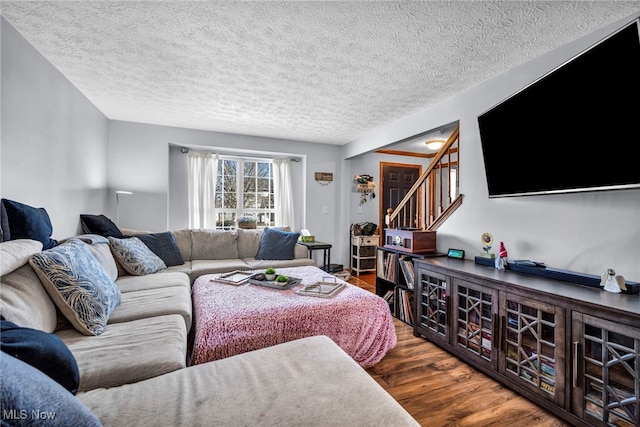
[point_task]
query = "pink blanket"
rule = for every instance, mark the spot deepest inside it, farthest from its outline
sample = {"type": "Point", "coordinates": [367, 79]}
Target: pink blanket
{"type": "Point", "coordinates": [235, 319]}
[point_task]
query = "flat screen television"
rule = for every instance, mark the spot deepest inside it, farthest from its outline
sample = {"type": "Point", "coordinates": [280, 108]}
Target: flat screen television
{"type": "Point", "coordinates": [575, 129]}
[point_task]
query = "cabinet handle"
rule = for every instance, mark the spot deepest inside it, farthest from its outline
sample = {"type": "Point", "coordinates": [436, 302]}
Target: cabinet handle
{"type": "Point", "coordinates": [494, 331]}
{"type": "Point", "coordinates": [500, 332]}
{"type": "Point", "coordinates": [576, 348]}
{"type": "Point", "coordinates": [448, 311]}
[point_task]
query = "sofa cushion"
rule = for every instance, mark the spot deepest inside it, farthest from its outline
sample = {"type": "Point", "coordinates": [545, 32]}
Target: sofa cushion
{"type": "Point", "coordinates": [154, 302]}
{"type": "Point", "coordinates": [153, 281]}
{"type": "Point", "coordinates": [15, 253]}
{"type": "Point", "coordinates": [23, 299]}
{"type": "Point", "coordinates": [43, 351]}
{"type": "Point", "coordinates": [261, 264]}
{"type": "Point", "coordinates": [135, 257]}
{"type": "Point", "coordinates": [277, 244]}
{"type": "Point", "coordinates": [164, 246]}
{"type": "Point", "coordinates": [184, 268]}
{"type": "Point", "coordinates": [128, 352]}
{"type": "Point", "coordinates": [214, 244]}
{"type": "Point", "coordinates": [319, 385]}
{"type": "Point", "coordinates": [99, 224]}
{"type": "Point", "coordinates": [78, 285]}
{"type": "Point", "coordinates": [32, 394]}
{"type": "Point", "coordinates": [183, 240]}
{"type": "Point", "coordinates": [25, 302]}
{"type": "Point", "coordinates": [248, 242]}
{"type": "Point", "coordinates": [27, 222]}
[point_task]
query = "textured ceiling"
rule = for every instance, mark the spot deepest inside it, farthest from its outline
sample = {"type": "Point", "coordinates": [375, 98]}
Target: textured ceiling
{"type": "Point", "coordinates": [327, 72]}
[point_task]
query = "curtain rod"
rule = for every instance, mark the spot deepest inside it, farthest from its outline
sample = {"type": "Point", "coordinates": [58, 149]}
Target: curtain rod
{"type": "Point", "coordinates": [185, 150]}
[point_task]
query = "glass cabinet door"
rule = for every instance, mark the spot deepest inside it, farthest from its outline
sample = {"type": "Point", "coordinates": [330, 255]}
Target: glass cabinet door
{"type": "Point", "coordinates": [433, 297]}
{"type": "Point", "coordinates": [534, 346]}
{"type": "Point", "coordinates": [475, 310]}
{"type": "Point", "coordinates": [606, 371]}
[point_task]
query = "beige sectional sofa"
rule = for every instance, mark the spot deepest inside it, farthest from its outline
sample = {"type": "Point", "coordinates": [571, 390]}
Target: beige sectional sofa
{"type": "Point", "coordinates": [135, 373]}
{"type": "Point", "coordinates": [146, 334]}
{"type": "Point", "coordinates": [216, 251]}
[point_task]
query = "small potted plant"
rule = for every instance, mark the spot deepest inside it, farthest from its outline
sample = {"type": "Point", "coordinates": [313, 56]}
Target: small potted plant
{"type": "Point", "coordinates": [270, 274]}
{"type": "Point", "coordinates": [247, 222]}
{"type": "Point", "coordinates": [282, 279]}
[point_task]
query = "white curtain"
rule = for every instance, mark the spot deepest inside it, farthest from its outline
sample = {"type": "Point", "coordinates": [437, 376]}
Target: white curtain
{"type": "Point", "coordinates": [203, 168]}
{"type": "Point", "coordinates": [283, 195]}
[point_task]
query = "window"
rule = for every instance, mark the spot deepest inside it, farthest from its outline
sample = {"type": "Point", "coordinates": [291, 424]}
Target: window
{"type": "Point", "coordinates": [244, 187]}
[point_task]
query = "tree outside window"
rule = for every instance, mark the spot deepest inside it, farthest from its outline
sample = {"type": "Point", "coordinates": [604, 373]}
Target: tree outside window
{"type": "Point", "coordinates": [244, 187]}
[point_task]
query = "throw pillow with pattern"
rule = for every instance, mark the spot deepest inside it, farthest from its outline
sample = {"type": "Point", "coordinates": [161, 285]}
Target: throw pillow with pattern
{"type": "Point", "coordinates": [135, 257]}
{"type": "Point", "coordinates": [78, 285]}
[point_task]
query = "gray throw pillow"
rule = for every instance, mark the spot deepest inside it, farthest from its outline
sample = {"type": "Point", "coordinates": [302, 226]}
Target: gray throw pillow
{"type": "Point", "coordinates": [29, 398]}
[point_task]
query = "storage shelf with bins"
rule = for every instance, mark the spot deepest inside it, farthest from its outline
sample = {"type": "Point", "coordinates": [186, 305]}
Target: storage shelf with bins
{"type": "Point", "coordinates": [534, 335]}
{"type": "Point", "coordinates": [363, 254]}
{"type": "Point", "coordinates": [395, 281]}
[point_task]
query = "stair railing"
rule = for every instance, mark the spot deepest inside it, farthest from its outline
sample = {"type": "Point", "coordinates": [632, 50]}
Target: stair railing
{"type": "Point", "coordinates": [435, 195]}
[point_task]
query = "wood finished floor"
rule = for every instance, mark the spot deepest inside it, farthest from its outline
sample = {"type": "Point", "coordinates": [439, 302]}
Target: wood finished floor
{"type": "Point", "coordinates": [438, 389]}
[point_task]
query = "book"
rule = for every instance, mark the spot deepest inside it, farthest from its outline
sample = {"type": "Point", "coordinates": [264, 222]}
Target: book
{"type": "Point", "coordinates": [406, 265]}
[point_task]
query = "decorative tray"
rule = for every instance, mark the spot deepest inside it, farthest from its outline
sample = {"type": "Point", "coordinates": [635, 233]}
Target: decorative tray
{"type": "Point", "coordinates": [237, 277]}
{"type": "Point", "coordinates": [321, 289]}
{"type": "Point", "coordinates": [260, 280]}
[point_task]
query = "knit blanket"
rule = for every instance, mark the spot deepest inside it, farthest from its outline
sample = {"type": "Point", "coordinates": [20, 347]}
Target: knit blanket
{"type": "Point", "coordinates": [235, 319]}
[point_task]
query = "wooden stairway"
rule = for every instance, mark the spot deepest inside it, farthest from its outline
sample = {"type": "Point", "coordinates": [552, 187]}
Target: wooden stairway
{"type": "Point", "coordinates": [434, 196]}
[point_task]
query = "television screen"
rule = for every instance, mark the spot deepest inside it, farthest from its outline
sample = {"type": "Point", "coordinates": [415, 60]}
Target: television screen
{"type": "Point", "coordinates": [575, 129]}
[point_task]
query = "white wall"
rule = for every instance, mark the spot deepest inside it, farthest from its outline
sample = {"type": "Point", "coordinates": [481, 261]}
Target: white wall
{"type": "Point", "coordinates": [54, 141]}
{"type": "Point", "coordinates": [584, 232]}
{"type": "Point", "coordinates": [146, 160]}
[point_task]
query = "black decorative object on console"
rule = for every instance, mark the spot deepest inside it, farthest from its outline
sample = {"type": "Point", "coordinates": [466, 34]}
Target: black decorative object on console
{"type": "Point", "coordinates": [535, 268]}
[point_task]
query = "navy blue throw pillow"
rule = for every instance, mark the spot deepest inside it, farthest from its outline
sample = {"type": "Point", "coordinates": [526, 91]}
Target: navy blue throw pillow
{"type": "Point", "coordinates": [164, 245]}
{"type": "Point", "coordinates": [100, 225]}
{"type": "Point", "coordinates": [4, 223]}
{"type": "Point", "coordinates": [27, 222]}
{"type": "Point", "coordinates": [277, 244]}
{"type": "Point", "coordinates": [45, 352]}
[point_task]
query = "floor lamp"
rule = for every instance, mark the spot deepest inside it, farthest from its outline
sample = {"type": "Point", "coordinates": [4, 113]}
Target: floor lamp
{"type": "Point", "coordinates": [118, 194]}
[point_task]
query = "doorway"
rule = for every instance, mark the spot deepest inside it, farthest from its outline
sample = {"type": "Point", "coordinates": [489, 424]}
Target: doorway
{"type": "Point", "coordinates": [396, 179]}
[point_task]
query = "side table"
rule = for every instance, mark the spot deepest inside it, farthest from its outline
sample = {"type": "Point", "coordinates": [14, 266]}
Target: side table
{"type": "Point", "coordinates": [325, 247]}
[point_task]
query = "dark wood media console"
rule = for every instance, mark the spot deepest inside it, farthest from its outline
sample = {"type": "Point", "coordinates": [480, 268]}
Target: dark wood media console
{"type": "Point", "coordinates": [573, 350]}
